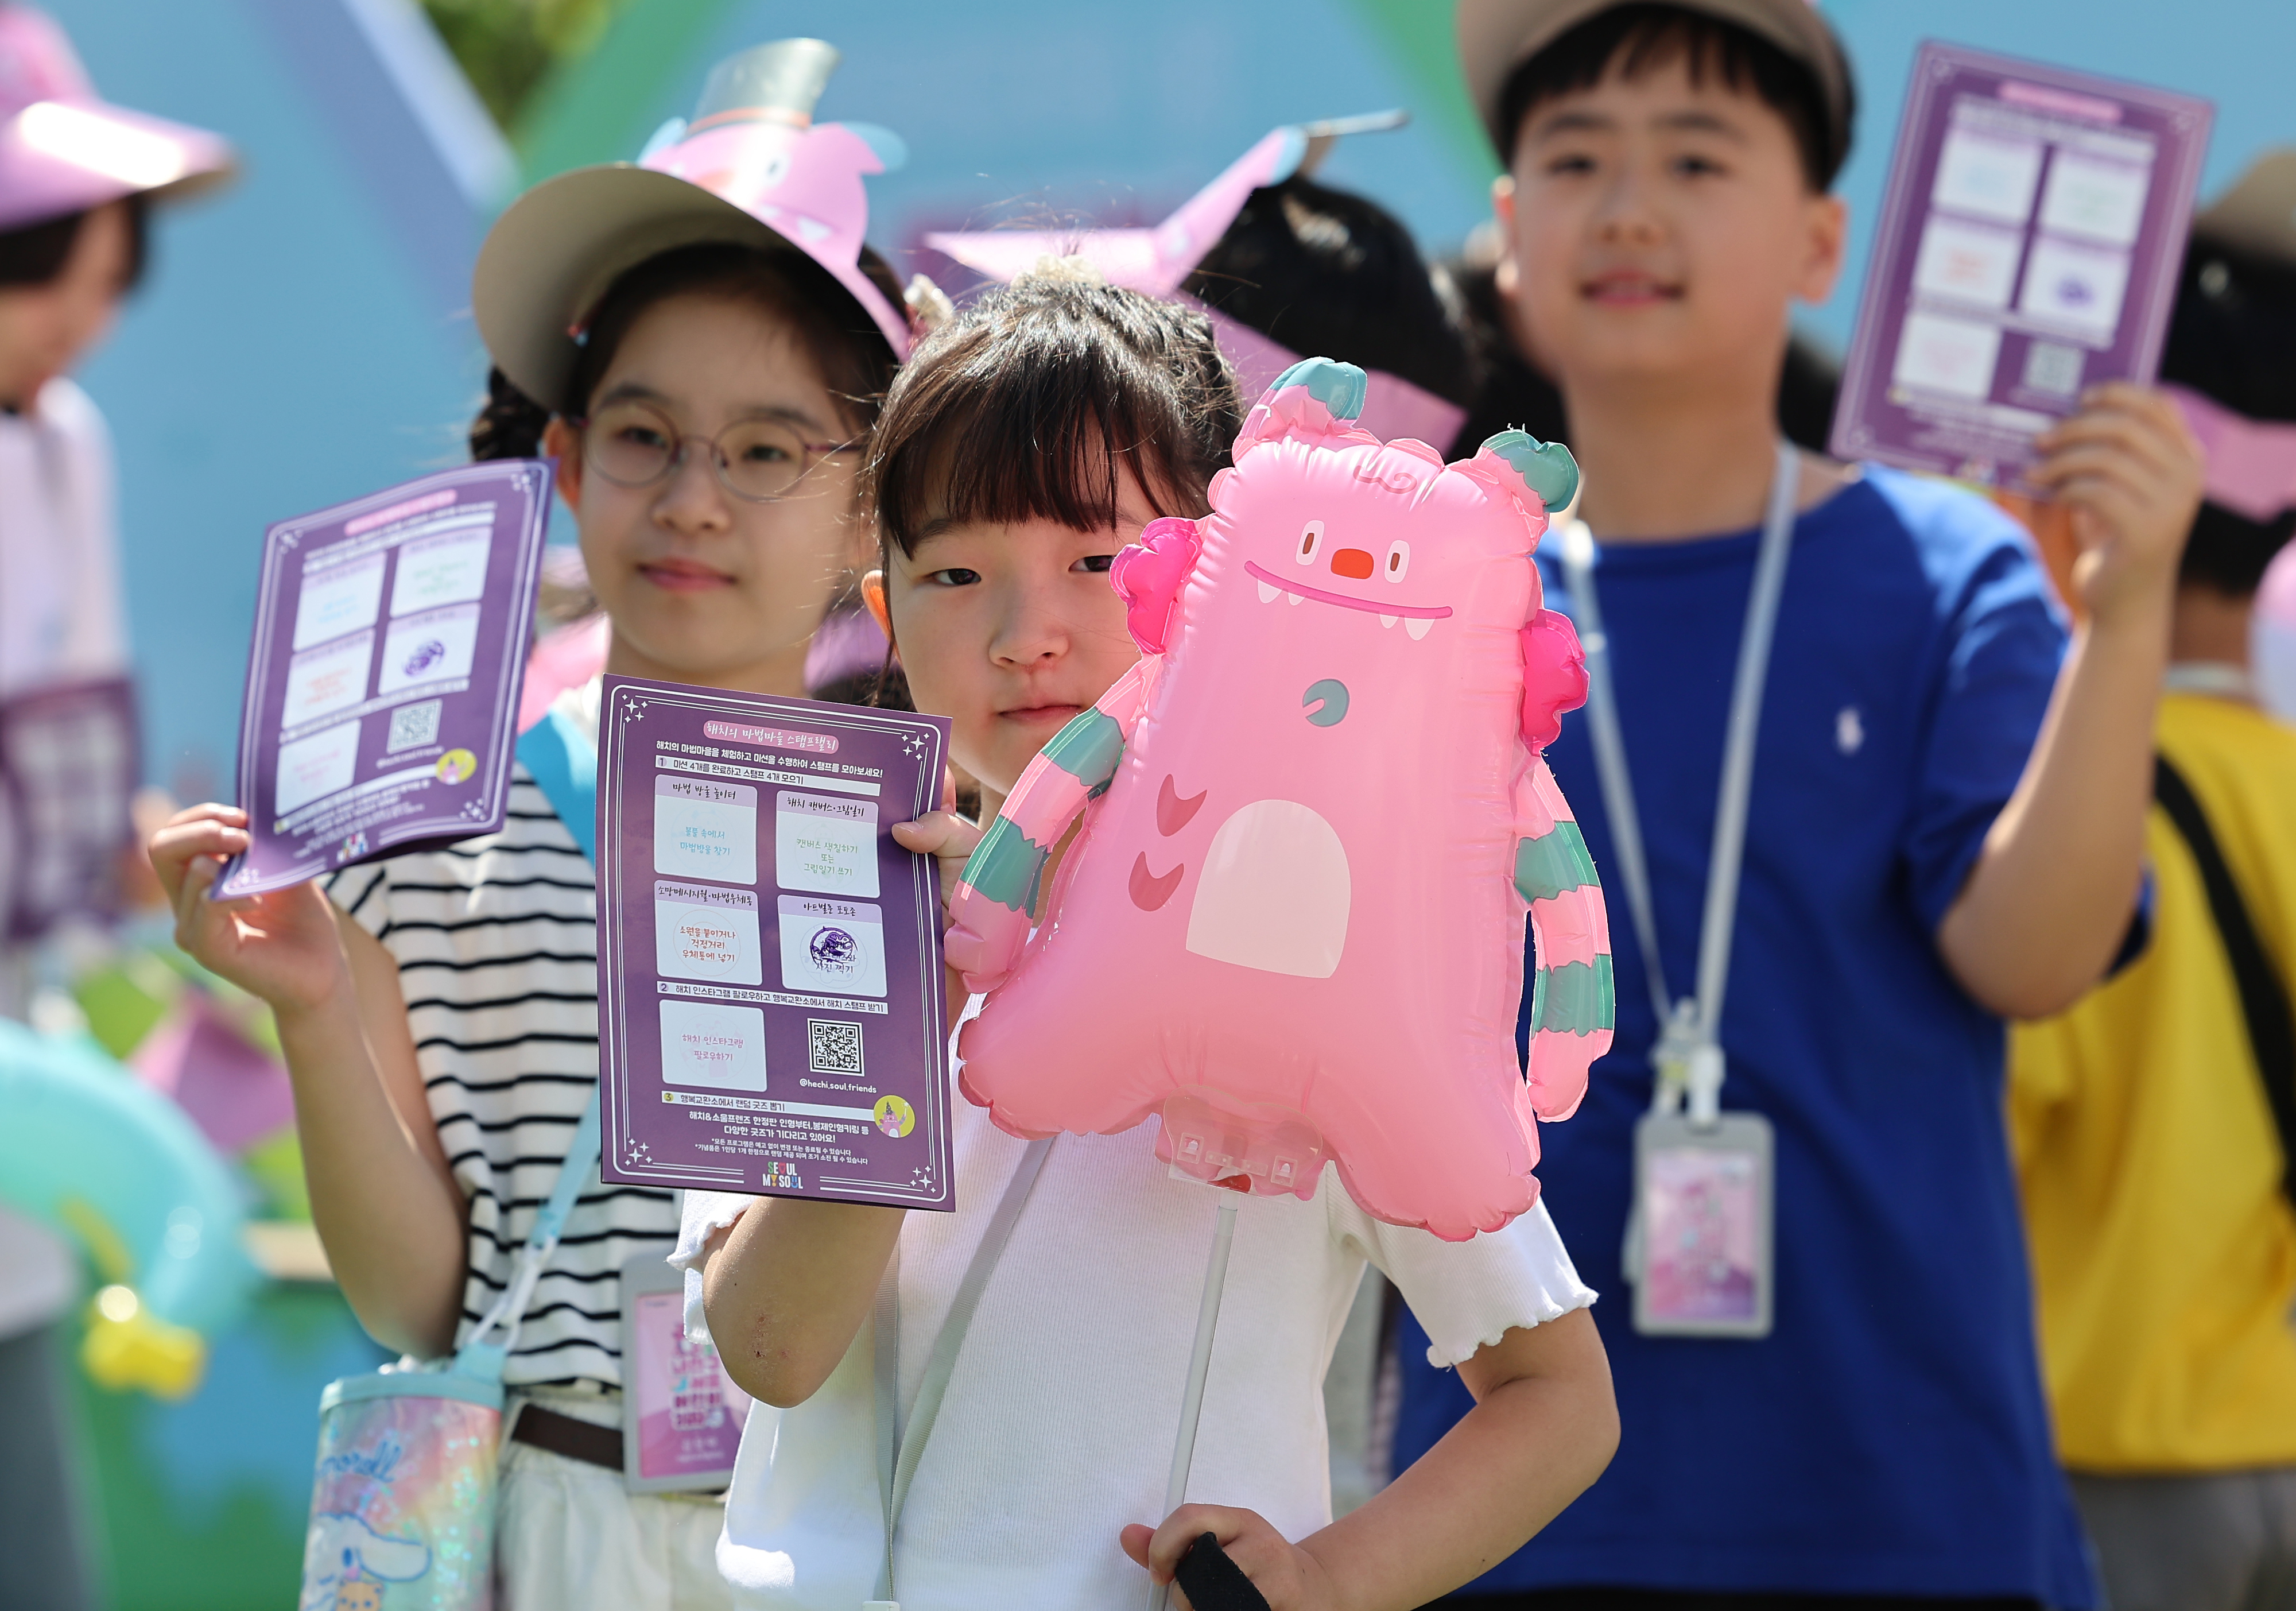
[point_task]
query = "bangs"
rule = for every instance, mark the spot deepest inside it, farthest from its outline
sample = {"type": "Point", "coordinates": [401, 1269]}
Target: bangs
{"type": "Point", "coordinates": [1001, 420]}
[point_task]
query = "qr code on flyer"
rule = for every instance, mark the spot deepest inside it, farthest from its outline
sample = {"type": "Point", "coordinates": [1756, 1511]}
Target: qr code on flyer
{"type": "Point", "coordinates": [833, 1047]}
{"type": "Point", "coordinates": [413, 726]}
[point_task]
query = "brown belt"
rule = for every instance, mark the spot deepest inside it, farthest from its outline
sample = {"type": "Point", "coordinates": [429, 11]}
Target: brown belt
{"type": "Point", "coordinates": [576, 1440]}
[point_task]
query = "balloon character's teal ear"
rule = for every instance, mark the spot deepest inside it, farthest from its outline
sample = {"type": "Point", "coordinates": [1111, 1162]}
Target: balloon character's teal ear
{"type": "Point", "coordinates": [1339, 387]}
{"type": "Point", "coordinates": [1316, 400]}
{"type": "Point", "coordinates": [1546, 468]}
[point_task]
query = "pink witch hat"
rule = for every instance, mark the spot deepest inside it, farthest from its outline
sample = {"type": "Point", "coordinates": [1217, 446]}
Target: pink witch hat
{"type": "Point", "coordinates": [751, 168]}
{"type": "Point", "coordinates": [1157, 259]}
{"type": "Point", "coordinates": [63, 151]}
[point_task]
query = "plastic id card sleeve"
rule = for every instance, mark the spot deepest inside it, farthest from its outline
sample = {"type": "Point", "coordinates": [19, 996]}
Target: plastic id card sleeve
{"type": "Point", "coordinates": [682, 1414]}
{"type": "Point", "coordinates": [771, 1008]}
{"type": "Point", "coordinates": [382, 689]}
{"type": "Point", "coordinates": [1702, 1244]}
{"type": "Point", "coordinates": [2029, 248]}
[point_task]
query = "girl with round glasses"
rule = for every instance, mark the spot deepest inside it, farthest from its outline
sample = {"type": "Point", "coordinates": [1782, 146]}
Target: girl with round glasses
{"type": "Point", "coordinates": [704, 383]}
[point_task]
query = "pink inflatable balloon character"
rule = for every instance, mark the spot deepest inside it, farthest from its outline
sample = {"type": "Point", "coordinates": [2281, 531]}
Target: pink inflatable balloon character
{"type": "Point", "coordinates": [1314, 816]}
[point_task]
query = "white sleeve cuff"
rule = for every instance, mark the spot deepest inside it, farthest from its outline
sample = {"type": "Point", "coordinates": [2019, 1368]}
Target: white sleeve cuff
{"type": "Point", "coordinates": [1469, 1295]}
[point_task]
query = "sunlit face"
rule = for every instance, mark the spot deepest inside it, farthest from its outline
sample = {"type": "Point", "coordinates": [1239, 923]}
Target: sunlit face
{"type": "Point", "coordinates": [46, 329]}
{"type": "Point", "coordinates": [1010, 630]}
{"type": "Point", "coordinates": [1659, 229]}
{"type": "Point", "coordinates": [705, 586]}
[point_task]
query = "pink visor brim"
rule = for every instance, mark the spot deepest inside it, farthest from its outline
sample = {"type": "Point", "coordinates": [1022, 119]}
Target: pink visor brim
{"type": "Point", "coordinates": [63, 157]}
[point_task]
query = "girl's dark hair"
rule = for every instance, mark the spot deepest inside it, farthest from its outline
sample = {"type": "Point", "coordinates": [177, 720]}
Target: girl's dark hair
{"type": "Point", "coordinates": [846, 345]}
{"type": "Point", "coordinates": [1634, 39]}
{"type": "Point", "coordinates": [1332, 274]}
{"type": "Point", "coordinates": [35, 253]}
{"type": "Point", "coordinates": [1032, 400]}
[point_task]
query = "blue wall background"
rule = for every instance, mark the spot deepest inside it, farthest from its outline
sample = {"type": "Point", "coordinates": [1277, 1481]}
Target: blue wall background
{"type": "Point", "coordinates": [304, 338]}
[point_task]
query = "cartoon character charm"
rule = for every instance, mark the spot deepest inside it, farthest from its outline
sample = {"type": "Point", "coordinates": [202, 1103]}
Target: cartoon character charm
{"type": "Point", "coordinates": [1315, 815]}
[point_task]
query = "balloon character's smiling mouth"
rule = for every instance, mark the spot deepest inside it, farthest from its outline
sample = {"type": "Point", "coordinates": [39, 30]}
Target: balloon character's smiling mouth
{"type": "Point", "coordinates": [1416, 618]}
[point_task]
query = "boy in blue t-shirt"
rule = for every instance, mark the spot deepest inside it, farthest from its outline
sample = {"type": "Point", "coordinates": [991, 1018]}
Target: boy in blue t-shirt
{"type": "Point", "coordinates": [1945, 829]}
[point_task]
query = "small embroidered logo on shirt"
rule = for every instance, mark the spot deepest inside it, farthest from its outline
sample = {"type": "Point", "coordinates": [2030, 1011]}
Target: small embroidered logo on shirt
{"type": "Point", "coordinates": [1850, 730]}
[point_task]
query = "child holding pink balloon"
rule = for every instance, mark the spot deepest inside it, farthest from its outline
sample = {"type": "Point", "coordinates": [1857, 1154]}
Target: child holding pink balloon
{"type": "Point", "coordinates": [1025, 443]}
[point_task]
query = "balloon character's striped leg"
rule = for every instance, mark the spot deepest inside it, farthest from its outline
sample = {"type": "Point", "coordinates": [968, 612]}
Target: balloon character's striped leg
{"type": "Point", "coordinates": [989, 912]}
{"type": "Point", "coordinates": [1573, 1007]}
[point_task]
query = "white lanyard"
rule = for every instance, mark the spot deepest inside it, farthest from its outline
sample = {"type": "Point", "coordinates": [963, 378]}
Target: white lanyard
{"type": "Point", "coordinates": [1688, 1056]}
{"type": "Point", "coordinates": [901, 1447]}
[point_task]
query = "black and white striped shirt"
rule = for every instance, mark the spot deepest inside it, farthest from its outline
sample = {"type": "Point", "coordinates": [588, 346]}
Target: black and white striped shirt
{"type": "Point", "coordinates": [496, 941]}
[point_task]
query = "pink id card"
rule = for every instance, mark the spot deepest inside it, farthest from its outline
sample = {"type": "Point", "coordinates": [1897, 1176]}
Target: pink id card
{"type": "Point", "coordinates": [1701, 1253]}
{"type": "Point", "coordinates": [682, 1414]}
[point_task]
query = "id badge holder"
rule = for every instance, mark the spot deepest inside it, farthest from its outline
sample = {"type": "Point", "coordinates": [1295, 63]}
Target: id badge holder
{"type": "Point", "coordinates": [1701, 1245]}
{"type": "Point", "coordinates": [681, 1416]}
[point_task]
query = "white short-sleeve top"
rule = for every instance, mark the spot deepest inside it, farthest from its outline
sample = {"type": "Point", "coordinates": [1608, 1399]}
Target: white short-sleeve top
{"type": "Point", "coordinates": [1058, 1423]}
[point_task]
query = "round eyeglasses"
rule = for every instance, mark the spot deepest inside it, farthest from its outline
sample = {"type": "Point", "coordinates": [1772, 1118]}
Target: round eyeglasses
{"type": "Point", "coordinates": [757, 460]}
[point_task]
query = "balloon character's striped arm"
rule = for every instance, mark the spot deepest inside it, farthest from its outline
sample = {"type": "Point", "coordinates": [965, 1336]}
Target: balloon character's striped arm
{"type": "Point", "coordinates": [989, 912]}
{"type": "Point", "coordinates": [1573, 1007]}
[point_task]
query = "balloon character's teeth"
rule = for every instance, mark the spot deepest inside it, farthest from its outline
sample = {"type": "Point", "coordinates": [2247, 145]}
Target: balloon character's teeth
{"type": "Point", "coordinates": [1266, 593]}
{"type": "Point", "coordinates": [1386, 620]}
{"type": "Point", "coordinates": [1293, 598]}
{"type": "Point", "coordinates": [1418, 625]}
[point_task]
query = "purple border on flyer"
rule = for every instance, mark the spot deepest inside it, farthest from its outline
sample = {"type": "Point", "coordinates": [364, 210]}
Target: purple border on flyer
{"type": "Point", "coordinates": [771, 1004]}
{"type": "Point", "coordinates": [2029, 244]}
{"type": "Point", "coordinates": [382, 687]}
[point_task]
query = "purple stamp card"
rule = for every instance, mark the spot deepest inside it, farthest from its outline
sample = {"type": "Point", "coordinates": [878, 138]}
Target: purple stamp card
{"type": "Point", "coordinates": [2029, 244]}
{"type": "Point", "coordinates": [69, 764]}
{"type": "Point", "coordinates": [390, 637]}
{"type": "Point", "coordinates": [771, 1005]}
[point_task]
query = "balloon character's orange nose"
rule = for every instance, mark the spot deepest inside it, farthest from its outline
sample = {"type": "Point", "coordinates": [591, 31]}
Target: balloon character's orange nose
{"type": "Point", "coordinates": [1352, 562]}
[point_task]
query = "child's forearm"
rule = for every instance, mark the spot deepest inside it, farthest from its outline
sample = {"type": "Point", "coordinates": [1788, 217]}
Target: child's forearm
{"type": "Point", "coordinates": [383, 1199]}
{"type": "Point", "coordinates": [2051, 896]}
{"type": "Point", "coordinates": [1544, 1426]}
{"type": "Point", "coordinates": [787, 1287]}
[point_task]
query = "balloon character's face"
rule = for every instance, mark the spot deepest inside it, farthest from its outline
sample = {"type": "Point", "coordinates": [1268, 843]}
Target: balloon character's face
{"type": "Point", "coordinates": [1377, 547]}
{"type": "Point", "coordinates": [1329, 568]}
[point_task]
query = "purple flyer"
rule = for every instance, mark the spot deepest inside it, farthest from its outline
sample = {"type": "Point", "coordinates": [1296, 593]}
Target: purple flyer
{"type": "Point", "coordinates": [770, 997]}
{"type": "Point", "coordinates": [69, 763]}
{"type": "Point", "coordinates": [390, 637]}
{"type": "Point", "coordinates": [2029, 245]}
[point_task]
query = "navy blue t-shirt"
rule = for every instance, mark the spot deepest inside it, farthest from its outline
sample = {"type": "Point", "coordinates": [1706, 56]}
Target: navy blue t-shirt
{"type": "Point", "coordinates": [1890, 1436]}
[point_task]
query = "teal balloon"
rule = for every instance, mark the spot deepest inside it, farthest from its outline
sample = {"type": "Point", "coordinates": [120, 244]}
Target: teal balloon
{"type": "Point", "coordinates": [1546, 468]}
{"type": "Point", "coordinates": [77, 1124]}
{"type": "Point", "coordinates": [1333, 711]}
{"type": "Point", "coordinates": [1339, 387]}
